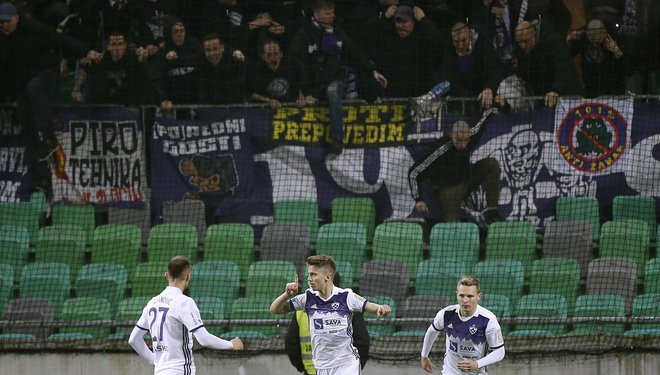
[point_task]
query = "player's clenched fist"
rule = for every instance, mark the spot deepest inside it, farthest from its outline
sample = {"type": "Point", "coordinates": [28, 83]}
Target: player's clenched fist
{"type": "Point", "coordinates": [292, 288]}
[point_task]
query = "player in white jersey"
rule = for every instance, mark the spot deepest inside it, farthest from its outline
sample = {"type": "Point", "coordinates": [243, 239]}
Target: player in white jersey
{"type": "Point", "coordinates": [471, 331]}
{"type": "Point", "coordinates": [330, 311]}
{"type": "Point", "coordinates": [172, 318]}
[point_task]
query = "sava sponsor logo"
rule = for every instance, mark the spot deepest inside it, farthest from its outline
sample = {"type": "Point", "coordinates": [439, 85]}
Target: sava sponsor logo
{"type": "Point", "coordinates": [332, 322]}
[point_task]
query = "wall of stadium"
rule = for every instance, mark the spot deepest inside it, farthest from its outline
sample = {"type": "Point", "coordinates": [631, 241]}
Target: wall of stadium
{"type": "Point", "coordinates": [213, 363]}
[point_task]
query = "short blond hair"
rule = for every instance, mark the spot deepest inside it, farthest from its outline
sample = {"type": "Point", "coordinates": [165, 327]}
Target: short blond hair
{"type": "Point", "coordinates": [469, 281]}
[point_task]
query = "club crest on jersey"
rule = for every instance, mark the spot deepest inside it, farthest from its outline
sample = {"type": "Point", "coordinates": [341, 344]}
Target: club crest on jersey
{"type": "Point", "coordinates": [473, 329]}
{"type": "Point", "coordinates": [335, 305]}
{"type": "Point", "coordinates": [592, 137]}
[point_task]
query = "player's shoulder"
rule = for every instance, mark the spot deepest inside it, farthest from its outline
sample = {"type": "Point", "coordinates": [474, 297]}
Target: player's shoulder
{"type": "Point", "coordinates": [486, 313]}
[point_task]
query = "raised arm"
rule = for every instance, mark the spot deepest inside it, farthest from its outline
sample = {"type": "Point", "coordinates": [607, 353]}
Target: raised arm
{"type": "Point", "coordinates": [281, 304]}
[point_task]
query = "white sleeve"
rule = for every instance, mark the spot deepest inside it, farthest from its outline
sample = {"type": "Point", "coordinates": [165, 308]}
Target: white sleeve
{"type": "Point", "coordinates": [138, 344]}
{"type": "Point", "coordinates": [211, 341]}
{"type": "Point", "coordinates": [355, 301]}
{"type": "Point", "coordinates": [298, 302]}
{"type": "Point", "coordinates": [433, 332]}
{"type": "Point", "coordinates": [190, 316]}
{"type": "Point", "coordinates": [492, 357]}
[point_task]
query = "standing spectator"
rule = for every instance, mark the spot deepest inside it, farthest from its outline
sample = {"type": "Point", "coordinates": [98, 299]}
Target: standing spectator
{"type": "Point", "coordinates": [153, 14]}
{"type": "Point", "coordinates": [408, 52]}
{"type": "Point", "coordinates": [472, 67]}
{"type": "Point", "coordinates": [319, 52]}
{"type": "Point", "coordinates": [269, 79]}
{"type": "Point", "coordinates": [298, 345]}
{"type": "Point", "coordinates": [360, 23]}
{"type": "Point", "coordinates": [470, 330]}
{"type": "Point", "coordinates": [544, 63]}
{"type": "Point", "coordinates": [453, 177]}
{"type": "Point", "coordinates": [221, 78]}
{"type": "Point", "coordinates": [119, 78]}
{"type": "Point", "coordinates": [176, 67]}
{"type": "Point", "coordinates": [171, 318]}
{"type": "Point", "coordinates": [29, 76]}
{"type": "Point", "coordinates": [332, 347]}
{"type": "Point", "coordinates": [603, 61]}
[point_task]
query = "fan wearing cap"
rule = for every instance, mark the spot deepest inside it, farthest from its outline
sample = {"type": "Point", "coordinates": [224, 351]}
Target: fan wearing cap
{"type": "Point", "coordinates": [28, 76]}
{"type": "Point", "coordinates": [408, 51]}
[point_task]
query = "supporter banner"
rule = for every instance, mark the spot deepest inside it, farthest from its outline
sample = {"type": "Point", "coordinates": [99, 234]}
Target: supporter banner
{"type": "Point", "coordinates": [14, 172]}
{"type": "Point", "coordinates": [365, 125]}
{"type": "Point", "coordinates": [232, 159]}
{"type": "Point", "coordinates": [104, 155]}
{"type": "Point", "coordinates": [592, 137]}
{"type": "Point", "coordinates": [209, 158]}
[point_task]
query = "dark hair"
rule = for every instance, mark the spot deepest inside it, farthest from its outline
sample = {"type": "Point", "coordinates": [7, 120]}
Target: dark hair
{"type": "Point", "coordinates": [116, 33]}
{"type": "Point", "coordinates": [178, 266]}
{"type": "Point", "coordinates": [322, 260]}
{"type": "Point", "coordinates": [211, 36]}
{"type": "Point", "coordinates": [319, 4]}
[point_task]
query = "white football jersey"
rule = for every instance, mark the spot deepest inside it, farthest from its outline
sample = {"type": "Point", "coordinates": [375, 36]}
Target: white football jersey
{"type": "Point", "coordinates": [330, 325]}
{"type": "Point", "coordinates": [171, 317]}
{"type": "Point", "coordinates": [467, 337]}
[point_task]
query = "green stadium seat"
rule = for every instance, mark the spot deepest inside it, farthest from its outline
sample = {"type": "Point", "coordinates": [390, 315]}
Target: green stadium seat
{"type": "Point", "coordinates": [14, 247]}
{"type": "Point", "coordinates": [61, 243]}
{"type": "Point", "coordinates": [652, 276]}
{"type": "Point", "coordinates": [218, 279]}
{"type": "Point", "coordinates": [212, 308]}
{"type": "Point", "coordinates": [344, 242]}
{"type": "Point", "coordinates": [25, 214]}
{"type": "Point", "coordinates": [102, 280]}
{"type": "Point", "coordinates": [233, 242]}
{"type": "Point", "coordinates": [169, 240]}
{"type": "Point", "coordinates": [31, 310]}
{"type": "Point", "coordinates": [81, 215]}
{"type": "Point", "coordinates": [613, 276]}
{"type": "Point", "coordinates": [39, 200]}
{"type": "Point", "coordinates": [187, 212]}
{"type": "Point", "coordinates": [512, 240]}
{"type": "Point", "coordinates": [569, 240]}
{"type": "Point", "coordinates": [149, 279]}
{"type": "Point", "coordinates": [253, 308]}
{"type": "Point", "coordinates": [6, 286]}
{"type": "Point", "coordinates": [129, 309]}
{"type": "Point", "coordinates": [599, 305]}
{"type": "Point", "coordinates": [70, 336]}
{"type": "Point", "coordinates": [438, 277]}
{"type": "Point", "coordinates": [556, 276]}
{"type": "Point", "coordinates": [646, 305]}
{"type": "Point", "coordinates": [117, 244]}
{"type": "Point", "coordinates": [499, 305]}
{"type": "Point", "coordinates": [298, 211]}
{"type": "Point", "coordinates": [268, 278]}
{"type": "Point", "coordinates": [358, 211]}
{"type": "Point", "coordinates": [542, 306]}
{"type": "Point", "coordinates": [504, 277]}
{"type": "Point", "coordinates": [18, 337]}
{"type": "Point", "coordinates": [530, 332]}
{"type": "Point", "coordinates": [626, 238]}
{"type": "Point", "coordinates": [243, 335]}
{"type": "Point", "coordinates": [87, 309]}
{"type": "Point", "coordinates": [579, 209]}
{"type": "Point", "coordinates": [51, 281]}
{"type": "Point", "coordinates": [455, 241]}
{"type": "Point", "coordinates": [399, 241]}
{"type": "Point", "coordinates": [380, 330]}
{"type": "Point", "coordinates": [636, 207]}
{"type": "Point", "coordinates": [643, 332]}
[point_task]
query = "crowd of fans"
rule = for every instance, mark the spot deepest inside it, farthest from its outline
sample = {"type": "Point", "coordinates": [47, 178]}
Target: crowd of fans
{"type": "Point", "coordinates": [171, 52]}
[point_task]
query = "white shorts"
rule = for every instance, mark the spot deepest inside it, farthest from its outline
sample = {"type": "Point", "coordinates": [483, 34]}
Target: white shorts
{"type": "Point", "coordinates": [350, 368]}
